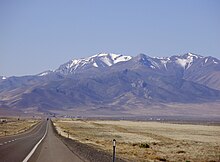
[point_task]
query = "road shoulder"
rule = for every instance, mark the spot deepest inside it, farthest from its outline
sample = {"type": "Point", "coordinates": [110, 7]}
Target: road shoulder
{"type": "Point", "coordinates": [86, 152]}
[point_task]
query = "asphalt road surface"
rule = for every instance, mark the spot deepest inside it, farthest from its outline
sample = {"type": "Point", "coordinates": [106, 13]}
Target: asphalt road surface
{"type": "Point", "coordinates": [52, 149]}
{"type": "Point", "coordinates": [16, 148]}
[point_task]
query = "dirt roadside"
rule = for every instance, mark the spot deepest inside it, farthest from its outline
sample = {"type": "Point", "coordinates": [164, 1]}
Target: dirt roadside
{"type": "Point", "coordinates": [86, 152]}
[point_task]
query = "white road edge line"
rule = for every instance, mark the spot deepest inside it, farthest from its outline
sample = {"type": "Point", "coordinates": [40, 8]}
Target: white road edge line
{"type": "Point", "coordinates": [35, 147]}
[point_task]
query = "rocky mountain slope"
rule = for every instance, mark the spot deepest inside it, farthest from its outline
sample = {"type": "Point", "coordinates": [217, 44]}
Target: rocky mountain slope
{"type": "Point", "coordinates": [116, 81]}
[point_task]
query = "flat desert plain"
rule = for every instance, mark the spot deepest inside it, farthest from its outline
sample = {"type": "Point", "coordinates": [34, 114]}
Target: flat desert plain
{"type": "Point", "coordinates": [12, 126]}
{"type": "Point", "coordinates": [147, 141]}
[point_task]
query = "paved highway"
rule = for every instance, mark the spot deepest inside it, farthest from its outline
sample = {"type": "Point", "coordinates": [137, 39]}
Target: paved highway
{"type": "Point", "coordinates": [53, 149]}
{"type": "Point", "coordinates": [16, 148]}
{"type": "Point", "coordinates": [41, 141]}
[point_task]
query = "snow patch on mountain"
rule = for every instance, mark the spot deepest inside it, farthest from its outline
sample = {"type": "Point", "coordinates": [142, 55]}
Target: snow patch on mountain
{"type": "Point", "coordinates": [103, 60]}
{"type": "Point", "coordinates": [45, 73]}
{"type": "Point", "coordinates": [187, 60]}
{"type": "Point", "coordinates": [163, 61]}
{"type": "Point", "coordinates": [95, 64]}
{"type": "Point", "coordinates": [96, 61]}
{"type": "Point", "coordinates": [183, 62]}
{"type": "Point", "coordinates": [111, 59]}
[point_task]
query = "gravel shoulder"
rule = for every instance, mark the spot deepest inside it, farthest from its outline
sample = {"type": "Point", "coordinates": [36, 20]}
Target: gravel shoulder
{"type": "Point", "coordinates": [86, 152]}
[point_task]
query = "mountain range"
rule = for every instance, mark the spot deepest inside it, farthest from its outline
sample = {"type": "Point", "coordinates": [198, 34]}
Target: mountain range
{"type": "Point", "coordinates": [116, 84]}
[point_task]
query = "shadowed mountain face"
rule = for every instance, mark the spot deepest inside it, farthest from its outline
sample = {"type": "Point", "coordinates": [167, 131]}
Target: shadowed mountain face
{"type": "Point", "coordinates": [110, 79]}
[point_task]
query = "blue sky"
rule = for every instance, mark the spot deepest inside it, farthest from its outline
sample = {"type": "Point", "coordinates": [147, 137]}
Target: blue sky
{"type": "Point", "coordinates": [39, 35]}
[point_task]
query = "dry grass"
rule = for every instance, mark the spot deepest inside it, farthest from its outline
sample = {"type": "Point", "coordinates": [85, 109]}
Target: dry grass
{"type": "Point", "coordinates": [170, 142]}
{"type": "Point", "coordinates": [14, 126]}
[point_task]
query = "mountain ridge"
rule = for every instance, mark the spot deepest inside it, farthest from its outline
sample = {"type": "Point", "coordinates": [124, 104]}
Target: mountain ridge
{"type": "Point", "coordinates": [100, 60]}
{"type": "Point", "coordinates": [114, 80]}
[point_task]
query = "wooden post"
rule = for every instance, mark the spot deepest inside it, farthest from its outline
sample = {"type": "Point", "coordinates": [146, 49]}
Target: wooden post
{"type": "Point", "coordinates": [114, 150]}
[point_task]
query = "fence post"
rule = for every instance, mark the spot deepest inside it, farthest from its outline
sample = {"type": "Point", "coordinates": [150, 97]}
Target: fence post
{"type": "Point", "coordinates": [114, 150]}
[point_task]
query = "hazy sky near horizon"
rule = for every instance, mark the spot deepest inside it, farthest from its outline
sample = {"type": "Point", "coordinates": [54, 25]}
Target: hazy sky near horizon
{"type": "Point", "coordinates": [40, 35]}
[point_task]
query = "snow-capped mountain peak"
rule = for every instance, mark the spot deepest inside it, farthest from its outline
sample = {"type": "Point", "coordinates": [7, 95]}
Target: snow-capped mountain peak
{"type": "Point", "coordinates": [188, 55]}
{"type": "Point", "coordinates": [183, 61]}
{"type": "Point", "coordinates": [186, 60]}
{"type": "Point", "coordinates": [100, 60]}
{"type": "Point", "coordinates": [3, 77]}
{"type": "Point", "coordinates": [166, 64]}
